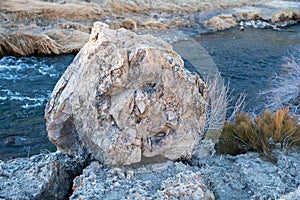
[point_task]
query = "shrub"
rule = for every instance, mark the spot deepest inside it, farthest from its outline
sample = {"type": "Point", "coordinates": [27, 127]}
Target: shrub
{"type": "Point", "coordinates": [263, 134]}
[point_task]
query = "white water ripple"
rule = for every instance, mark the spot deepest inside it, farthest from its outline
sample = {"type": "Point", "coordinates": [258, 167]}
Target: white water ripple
{"type": "Point", "coordinates": [29, 102]}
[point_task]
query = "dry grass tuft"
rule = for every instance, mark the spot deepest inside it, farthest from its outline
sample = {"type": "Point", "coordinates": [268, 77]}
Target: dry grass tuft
{"type": "Point", "coordinates": [69, 41]}
{"type": "Point", "coordinates": [263, 134]}
{"type": "Point", "coordinates": [247, 16]}
{"type": "Point", "coordinates": [129, 24]}
{"type": "Point", "coordinates": [286, 15]}
{"type": "Point", "coordinates": [22, 44]}
{"type": "Point", "coordinates": [36, 11]}
{"type": "Point", "coordinates": [217, 103]}
{"type": "Point", "coordinates": [285, 91]}
{"type": "Point", "coordinates": [121, 7]}
{"type": "Point", "coordinates": [152, 24]}
{"type": "Point", "coordinates": [59, 41]}
{"type": "Point", "coordinates": [220, 22]}
{"type": "Point", "coordinates": [115, 25]}
{"type": "Point", "coordinates": [218, 100]}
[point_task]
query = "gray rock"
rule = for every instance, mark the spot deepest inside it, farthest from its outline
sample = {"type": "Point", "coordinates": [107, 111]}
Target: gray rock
{"type": "Point", "coordinates": [43, 176]}
{"type": "Point", "coordinates": [126, 96]}
{"type": "Point", "coordinates": [248, 176]}
{"type": "Point", "coordinates": [177, 181]}
{"type": "Point", "coordinates": [292, 195]}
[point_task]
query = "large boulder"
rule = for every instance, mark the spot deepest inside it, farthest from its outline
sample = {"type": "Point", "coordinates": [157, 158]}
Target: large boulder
{"type": "Point", "coordinates": [125, 97]}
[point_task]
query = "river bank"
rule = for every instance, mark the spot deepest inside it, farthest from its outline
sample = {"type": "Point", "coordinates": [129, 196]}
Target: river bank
{"type": "Point", "coordinates": [60, 27]}
{"type": "Point", "coordinates": [246, 176]}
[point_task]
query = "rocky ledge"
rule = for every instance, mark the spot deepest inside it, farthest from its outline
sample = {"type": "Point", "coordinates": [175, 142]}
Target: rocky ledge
{"type": "Point", "coordinates": [43, 176]}
{"type": "Point", "coordinates": [247, 176]}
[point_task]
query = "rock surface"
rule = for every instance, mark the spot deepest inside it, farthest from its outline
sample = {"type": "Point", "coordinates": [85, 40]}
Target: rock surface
{"type": "Point", "coordinates": [247, 176]}
{"type": "Point", "coordinates": [155, 181]}
{"type": "Point", "coordinates": [44, 176]}
{"type": "Point", "coordinates": [291, 195]}
{"type": "Point", "coordinates": [124, 97]}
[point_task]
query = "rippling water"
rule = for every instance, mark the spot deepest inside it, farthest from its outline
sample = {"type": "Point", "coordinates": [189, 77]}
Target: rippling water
{"type": "Point", "coordinates": [25, 86]}
{"type": "Point", "coordinates": [249, 59]}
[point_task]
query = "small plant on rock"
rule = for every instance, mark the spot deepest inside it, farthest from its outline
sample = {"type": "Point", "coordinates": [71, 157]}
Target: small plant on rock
{"type": "Point", "coordinates": [263, 134]}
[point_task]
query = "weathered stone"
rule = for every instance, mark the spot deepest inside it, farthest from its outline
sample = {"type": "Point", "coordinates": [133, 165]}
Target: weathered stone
{"type": "Point", "coordinates": [43, 176]}
{"type": "Point", "coordinates": [176, 181]}
{"type": "Point", "coordinates": [292, 195]}
{"type": "Point", "coordinates": [247, 176]}
{"type": "Point", "coordinates": [126, 96]}
{"type": "Point", "coordinates": [185, 185]}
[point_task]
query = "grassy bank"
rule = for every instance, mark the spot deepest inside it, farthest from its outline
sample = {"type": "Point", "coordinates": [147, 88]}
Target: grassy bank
{"type": "Point", "coordinates": [32, 27]}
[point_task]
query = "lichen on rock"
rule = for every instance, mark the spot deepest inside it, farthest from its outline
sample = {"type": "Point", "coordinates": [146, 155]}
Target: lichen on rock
{"type": "Point", "coordinates": [126, 96]}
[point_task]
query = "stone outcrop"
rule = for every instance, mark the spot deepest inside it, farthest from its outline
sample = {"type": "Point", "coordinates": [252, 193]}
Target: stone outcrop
{"type": "Point", "coordinates": [292, 195]}
{"type": "Point", "coordinates": [57, 176]}
{"type": "Point", "coordinates": [43, 176]}
{"type": "Point", "coordinates": [247, 176]}
{"type": "Point", "coordinates": [156, 181]}
{"type": "Point", "coordinates": [125, 97]}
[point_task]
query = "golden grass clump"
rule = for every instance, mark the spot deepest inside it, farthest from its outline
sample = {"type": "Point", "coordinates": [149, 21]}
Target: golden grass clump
{"type": "Point", "coordinates": [220, 22]}
{"type": "Point", "coordinates": [286, 15]}
{"type": "Point", "coordinates": [50, 42]}
{"type": "Point", "coordinates": [69, 40]}
{"type": "Point", "coordinates": [171, 6]}
{"type": "Point", "coordinates": [153, 24]}
{"type": "Point", "coordinates": [26, 11]}
{"type": "Point", "coordinates": [22, 44]}
{"type": "Point", "coordinates": [263, 134]}
{"type": "Point", "coordinates": [247, 15]}
{"type": "Point", "coordinates": [129, 24]}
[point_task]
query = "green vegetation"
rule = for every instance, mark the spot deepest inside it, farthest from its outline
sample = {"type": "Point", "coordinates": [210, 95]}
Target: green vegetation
{"type": "Point", "coordinates": [263, 134]}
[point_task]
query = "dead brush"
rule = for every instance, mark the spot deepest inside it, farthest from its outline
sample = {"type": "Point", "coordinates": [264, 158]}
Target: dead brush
{"type": "Point", "coordinates": [285, 87]}
{"type": "Point", "coordinates": [22, 44]}
{"type": "Point", "coordinates": [263, 134]}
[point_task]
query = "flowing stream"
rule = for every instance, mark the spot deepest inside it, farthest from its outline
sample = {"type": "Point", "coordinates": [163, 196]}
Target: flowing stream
{"type": "Point", "coordinates": [25, 86]}
{"type": "Point", "coordinates": [247, 59]}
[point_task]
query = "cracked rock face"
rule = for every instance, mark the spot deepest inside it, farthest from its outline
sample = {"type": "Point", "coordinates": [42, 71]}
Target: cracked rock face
{"type": "Point", "coordinates": [155, 181]}
{"type": "Point", "coordinates": [124, 97]}
{"type": "Point", "coordinates": [43, 176]}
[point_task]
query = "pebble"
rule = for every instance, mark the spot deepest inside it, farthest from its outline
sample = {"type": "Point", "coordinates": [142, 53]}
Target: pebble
{"type": "Point", "coordinates": [130, 175]}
